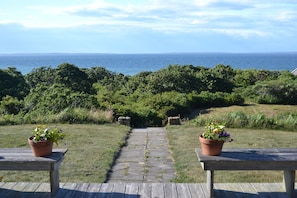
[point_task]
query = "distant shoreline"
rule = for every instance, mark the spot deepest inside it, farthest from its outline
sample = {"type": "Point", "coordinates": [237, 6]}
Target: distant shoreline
{"type": "Point", "coordinates": [131, 64]}
{"type": "Point", "coordinates": [111, 53]}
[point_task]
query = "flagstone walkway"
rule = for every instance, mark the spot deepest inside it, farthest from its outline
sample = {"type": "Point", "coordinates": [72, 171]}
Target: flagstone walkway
{"type": "Point", "coordinates": [145, 159]}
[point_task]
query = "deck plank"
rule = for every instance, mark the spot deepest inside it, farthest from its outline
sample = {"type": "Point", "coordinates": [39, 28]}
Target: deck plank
{"type": "Point", "coordinates": [142, 190]}
{"type": "Point", "coordinates": [93, 190]}
{"type": "Point", "coordinates": [183, 190]}
{"type": "Point", "coordinates": [197, 190]}
{"type": "Point", "coordinates": [106, 190]}
{"type": "Point", "coordinates": [278, 188]}
{"type": "Point", "coordinates": [43, 190]}
{"type": "Point", "coordinates": [218, 192]}
{"type": "Point", "coordinates": [80, 190]}
{"type": "Point", "coordinates": [30, 190]}
{"type": "Point", "coordinates": [145, 190]}
{"type": "Point", "coordinates": [249, 189]}
{"type": "Point", "coordinates": [66, 190]}
{"type": "Point", "coordinates": [170, 190]}
{"type": "Point", "coordinates": [119, 190]}
{"type": "Point", "coordinates": [158, 190]}
{"type": "Point", "coordinates": [4, 190]}
{"type": "Point", "coordinates": [132, 190]}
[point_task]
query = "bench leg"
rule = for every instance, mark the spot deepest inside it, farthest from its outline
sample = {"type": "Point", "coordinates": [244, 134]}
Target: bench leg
{"type": "Point", "coordinates": [54, 180]}
{"type": "Point", "coordinates": [289, 182]}
{"type": "Point", "coordinates": [209, 182]}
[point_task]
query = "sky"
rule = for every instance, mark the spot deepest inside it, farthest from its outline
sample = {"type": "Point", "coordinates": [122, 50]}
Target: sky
{"type": "Point", "coordinates": [147, 26]}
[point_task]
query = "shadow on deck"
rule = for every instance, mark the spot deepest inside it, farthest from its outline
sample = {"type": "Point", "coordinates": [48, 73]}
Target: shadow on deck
{"type": "Point", "coordinates": [137, 190]}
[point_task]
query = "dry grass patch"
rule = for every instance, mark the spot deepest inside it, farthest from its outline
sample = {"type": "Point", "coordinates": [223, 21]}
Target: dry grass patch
{"type": "Point", "coordinates": [252, 108]}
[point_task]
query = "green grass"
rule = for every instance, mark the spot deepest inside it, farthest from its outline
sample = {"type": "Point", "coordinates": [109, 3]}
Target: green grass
{"type": "Point", "coordinates": [91, 151]}
{"type": "Point", "coordinates": [184, 139]}
{"type": "Point", "coordinates": [92, 148]}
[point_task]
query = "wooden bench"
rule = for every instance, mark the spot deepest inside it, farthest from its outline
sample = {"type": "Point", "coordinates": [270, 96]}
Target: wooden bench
{"type": "Point", "coordinates": [252, 159]}
{"type": "Point", "coordinates": [22, 159]}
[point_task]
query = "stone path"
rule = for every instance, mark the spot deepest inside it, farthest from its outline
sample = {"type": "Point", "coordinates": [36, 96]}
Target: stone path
{"type": "Point", "coordinates": [145, 159]}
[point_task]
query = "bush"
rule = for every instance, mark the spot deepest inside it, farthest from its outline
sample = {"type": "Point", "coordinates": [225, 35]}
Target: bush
{"type": "Point", "coordinates": [217, 99]}
{"type": "Point", "coordinates": [236, 119]}
{"type": "Point", "coordinates": [8, 120]}
{"type": "Point", "coordinates": [10, 105]}
{"type": "Point", "coordinates": [287, 121]}
{"type": "Point", "coordinates": [82, 115]}
{"type": "Point", "coordinates": [274, 92]}
{"type": "Point", "coordinates": [67, 94]}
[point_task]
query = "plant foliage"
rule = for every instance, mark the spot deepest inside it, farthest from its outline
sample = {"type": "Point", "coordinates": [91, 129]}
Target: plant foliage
{"type": "Point", "coordinates": [216, 131]}
{"type": "Point", "coordinates": [147, 97]}
{"type": "Point", "coordinates": [42, 133]}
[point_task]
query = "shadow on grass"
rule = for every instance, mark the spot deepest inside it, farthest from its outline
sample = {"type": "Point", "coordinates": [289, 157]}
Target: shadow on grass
{"type": "Point", "coordinates": [196, 112]}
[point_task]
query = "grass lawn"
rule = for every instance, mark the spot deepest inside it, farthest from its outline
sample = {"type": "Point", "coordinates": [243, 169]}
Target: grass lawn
{"type": "Point", "coordinates": [91, 151]}
{"type": "Point", "coordinates": [183, 140]}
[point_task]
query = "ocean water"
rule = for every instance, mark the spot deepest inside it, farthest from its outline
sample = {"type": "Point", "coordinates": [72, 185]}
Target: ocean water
{"type": "Point", "coordinates": [131, 64]}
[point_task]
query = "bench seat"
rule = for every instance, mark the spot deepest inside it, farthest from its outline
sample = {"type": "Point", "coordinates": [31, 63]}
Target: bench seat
{"type": "Point", "coordinates": [22, 159]}
{"type": "Point", "coordinates": [284, 159]}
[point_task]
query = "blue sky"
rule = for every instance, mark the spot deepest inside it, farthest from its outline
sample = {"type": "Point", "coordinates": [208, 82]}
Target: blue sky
{"type": "Point", "coordinates": [151, 26]}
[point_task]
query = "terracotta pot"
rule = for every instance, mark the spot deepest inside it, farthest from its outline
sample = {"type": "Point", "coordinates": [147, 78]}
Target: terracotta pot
{"type": "Point", "coordinates": [41, 148]}
{"type": "Point", "coordinates": [211, 147]}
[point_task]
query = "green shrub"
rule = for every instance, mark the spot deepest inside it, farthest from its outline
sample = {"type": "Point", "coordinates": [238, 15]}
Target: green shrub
{"type": "Point", "coordinates": [236, 119]}
{"type": "Point", "coordinates": [82, 115]}
{"type": "Point", "coordinates": [10, 105]}
{"type": "Point", "coordinates": [7, 119]}
{"type": "Point", "coordinates": [287, 121]}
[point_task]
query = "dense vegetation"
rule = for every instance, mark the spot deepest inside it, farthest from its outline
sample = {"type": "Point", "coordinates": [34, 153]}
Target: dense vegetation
{"type": "Point", "coordinates": [69, 94]}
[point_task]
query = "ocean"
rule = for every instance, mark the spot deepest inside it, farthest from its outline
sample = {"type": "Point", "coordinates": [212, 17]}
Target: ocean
{"type": "Point", "coordinates": [131, 64]}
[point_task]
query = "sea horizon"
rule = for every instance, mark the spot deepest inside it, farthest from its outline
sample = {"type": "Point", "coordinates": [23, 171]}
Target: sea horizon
{"type": "Point", "coordinates": [115, 53]}
{"type": "Point", "coordinates": [133, 63]}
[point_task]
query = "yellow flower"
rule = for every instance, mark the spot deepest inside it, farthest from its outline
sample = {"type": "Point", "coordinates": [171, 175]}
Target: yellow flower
{"type": "Point", "coordinates": [216, 130]}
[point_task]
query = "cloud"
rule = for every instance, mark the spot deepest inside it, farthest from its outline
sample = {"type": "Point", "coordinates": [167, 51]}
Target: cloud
{"type": "Point", "coordinates": [237, 19]}
{"type": "Point", "coordinates": [224, 4]}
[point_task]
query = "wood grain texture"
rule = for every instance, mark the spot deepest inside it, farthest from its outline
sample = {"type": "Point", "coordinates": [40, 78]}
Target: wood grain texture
{"type": "Point", "coordinates": [143, 190]}
{"type": "Point", "coordinates": [250, 159]}
{"type": "Point", "coordinates": [22, 159]}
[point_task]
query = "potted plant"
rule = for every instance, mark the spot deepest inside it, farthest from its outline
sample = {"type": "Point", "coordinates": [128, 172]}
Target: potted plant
{"type": "Point", "coordinates": [213, 139]}
{"type": "Point", "coordinates": [42, 139]}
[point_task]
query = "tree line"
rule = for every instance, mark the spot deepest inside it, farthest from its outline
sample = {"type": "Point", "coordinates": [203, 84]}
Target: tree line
{"type": "Point", "coordinates": [71, 94]}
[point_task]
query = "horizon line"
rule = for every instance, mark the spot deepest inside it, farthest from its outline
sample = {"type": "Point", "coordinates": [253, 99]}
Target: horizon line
{"type": "Point", "coordinates": [134, 53]}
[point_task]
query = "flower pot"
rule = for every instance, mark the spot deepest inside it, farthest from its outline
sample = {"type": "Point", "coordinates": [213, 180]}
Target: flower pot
{"type": "Point", "coordinates": [211, 147]}
{"type": "Point", "coordinates": [41, 148]}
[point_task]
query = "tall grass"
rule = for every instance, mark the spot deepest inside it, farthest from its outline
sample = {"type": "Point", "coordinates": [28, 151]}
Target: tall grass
{"type": "Point", "coordinates": [280, 117]}
{"type": "Point", "coordinates": [91, 151]}
{"type": "Point", "coordinates": [81, 115]}
{"type": "Point", "coordinates": [239, 119]}
{"type": "Point", "coordinates": [68, 115]}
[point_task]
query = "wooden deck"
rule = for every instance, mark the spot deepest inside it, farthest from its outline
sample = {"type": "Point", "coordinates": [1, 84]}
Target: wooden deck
{"type": "Point", "coordinates": [137, 190]}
